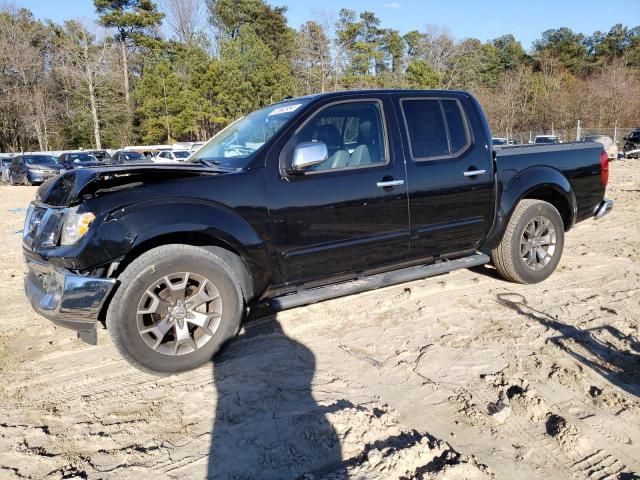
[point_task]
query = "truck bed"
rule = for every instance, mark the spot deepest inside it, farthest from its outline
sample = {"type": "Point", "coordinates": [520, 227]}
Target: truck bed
{"type": "Point", "coordinates": [579, 162]}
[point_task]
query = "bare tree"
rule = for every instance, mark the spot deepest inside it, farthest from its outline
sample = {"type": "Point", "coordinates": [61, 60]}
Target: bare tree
{"type": "Point", "coordinates": [185, 18]}
{"type": "Point", "coordinates": [613, 92]}
{"type": "Point", "coordinates": [313, 57]}
{"type": "Point", "coordinates": [24, 59]}
{"type": "Point", "coordinates": [83, 60]}
{"type": "Point", "coordinates": [439, 47]}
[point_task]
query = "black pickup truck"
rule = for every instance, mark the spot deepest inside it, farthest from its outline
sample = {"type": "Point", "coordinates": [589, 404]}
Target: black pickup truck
{"type": "Point", "coordinates": [307, 199]}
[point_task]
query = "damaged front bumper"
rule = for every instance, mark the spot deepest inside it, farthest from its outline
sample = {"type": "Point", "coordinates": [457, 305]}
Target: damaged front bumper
{"type": "Point", "coordinates": [67, 299]}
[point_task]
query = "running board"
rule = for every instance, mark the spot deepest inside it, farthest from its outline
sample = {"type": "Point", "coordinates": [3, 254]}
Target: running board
{"type": "Point", "coordinates": [318, 294]}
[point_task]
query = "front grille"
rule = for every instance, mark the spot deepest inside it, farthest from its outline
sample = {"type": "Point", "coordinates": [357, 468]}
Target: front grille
{"type": "Point", "coordinates": [42, 226]}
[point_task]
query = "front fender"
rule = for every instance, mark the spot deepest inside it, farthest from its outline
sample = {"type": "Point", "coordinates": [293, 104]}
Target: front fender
{"type": "Point", "coordinates": [512, 189]}
{"type": "Point", "coordinates": [133, 228]}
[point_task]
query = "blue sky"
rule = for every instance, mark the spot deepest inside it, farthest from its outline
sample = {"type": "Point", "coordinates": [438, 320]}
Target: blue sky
{"type": "Point", "coordinates": [465, 18]}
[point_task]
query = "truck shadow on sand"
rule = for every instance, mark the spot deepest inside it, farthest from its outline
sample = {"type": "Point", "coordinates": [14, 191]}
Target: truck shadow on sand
{"type": "Point", "coordinates": [606, 350]}
{"type": "Point", "coordinates": [267, 423]}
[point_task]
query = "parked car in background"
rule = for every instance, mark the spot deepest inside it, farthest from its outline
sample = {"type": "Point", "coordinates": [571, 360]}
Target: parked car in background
{"type": "Point", "coordinates": [149, 153]}
{"type": "Point", "coordinates": [189, 146]}
{"type": "Point", "coordinates": [171, 156]}
{"type": "Point", "coordinates": [123, 157]}
{"type": "Point", "coordinates": [631, 148]}
{"type": "Point", "coordinates": [78, 160]}
{"type": "Point", "coordinates": [4, 168]}
{"type": "Point", "coordinates": [543, 139]}
{"type": "Point", "coordinates": [502, 142]}
{"type": "Point", "coordinates": [101, 155]}
{"type": "Point", "coordinates": [33, 168]}
{"type": "Point", "coordinates": [607, 143]}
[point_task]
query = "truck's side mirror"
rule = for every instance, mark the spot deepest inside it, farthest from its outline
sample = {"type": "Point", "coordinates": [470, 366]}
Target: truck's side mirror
{"type": "Point", "coordinates": [625, 138]}
{"type": "Point", "coordinates": [308, 154]}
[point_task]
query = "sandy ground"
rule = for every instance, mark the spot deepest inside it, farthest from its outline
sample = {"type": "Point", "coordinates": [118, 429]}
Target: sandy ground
{"type": "Point", "coordinates": [458, 376]}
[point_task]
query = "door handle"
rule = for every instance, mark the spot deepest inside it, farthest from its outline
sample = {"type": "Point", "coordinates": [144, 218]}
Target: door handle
{"type": "Point", "coordinates": [474, 173]}
{"type": "Point", "coordinates": [390, 183]}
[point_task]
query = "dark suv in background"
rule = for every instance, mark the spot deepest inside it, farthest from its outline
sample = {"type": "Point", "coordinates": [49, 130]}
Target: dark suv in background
{"type": "Point", "coordinates": [36, 168]}
{"type": "Point", "coordinates": [101, 155]}
{"type": "Point", "coordinates": [78, 160]}
{"type": "Point", "coordinates": [631, 147]}
{"type": "Point", "coordinates": [123, 157]}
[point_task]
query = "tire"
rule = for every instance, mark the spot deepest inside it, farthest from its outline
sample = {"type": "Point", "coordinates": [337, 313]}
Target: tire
{"type": "Point", "coordinates": [542, 253]}
{"type": "Point", "coordinates": [150, 341]}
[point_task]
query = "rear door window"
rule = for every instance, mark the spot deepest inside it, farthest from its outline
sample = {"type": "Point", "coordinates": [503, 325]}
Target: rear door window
{"type": "Point", "coordinates": [436, 128]}
{"type": "Point", "coordinates": [456, 125]}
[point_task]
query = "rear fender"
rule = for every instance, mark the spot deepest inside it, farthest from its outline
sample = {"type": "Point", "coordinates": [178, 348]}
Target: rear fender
{"type": "Point", "coordinates": [535, 182]}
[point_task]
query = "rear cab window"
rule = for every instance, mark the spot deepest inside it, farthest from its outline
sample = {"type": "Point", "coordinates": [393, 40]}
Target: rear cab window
{"type": "Point", "coordinates": [436, 128]}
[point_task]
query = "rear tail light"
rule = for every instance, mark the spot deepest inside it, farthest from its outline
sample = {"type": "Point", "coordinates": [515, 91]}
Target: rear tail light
{"type": "Point", "coordinates": [604, 168]}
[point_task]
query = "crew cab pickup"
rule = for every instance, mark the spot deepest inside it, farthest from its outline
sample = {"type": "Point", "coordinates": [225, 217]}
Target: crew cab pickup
{"type": "Point", "coordinates": [303, 200]}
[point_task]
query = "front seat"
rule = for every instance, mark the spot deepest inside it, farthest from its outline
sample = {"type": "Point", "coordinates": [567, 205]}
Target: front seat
{"type": "Point", "coordinates": [338, 156]}
{"type": "Point", "coordinates": [366, 150]}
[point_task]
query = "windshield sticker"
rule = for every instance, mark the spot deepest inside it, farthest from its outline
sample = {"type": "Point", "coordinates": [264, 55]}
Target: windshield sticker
{"type": "Point", "coordinates": [287, 109]}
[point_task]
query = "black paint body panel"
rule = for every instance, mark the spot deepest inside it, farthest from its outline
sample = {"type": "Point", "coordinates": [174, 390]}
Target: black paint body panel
{"type": "Point", "coordinates": [317, 229]}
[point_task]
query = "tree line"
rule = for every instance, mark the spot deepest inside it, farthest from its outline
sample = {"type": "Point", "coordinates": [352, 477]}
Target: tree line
{"type": "Point", "coordinates": [182, 72]}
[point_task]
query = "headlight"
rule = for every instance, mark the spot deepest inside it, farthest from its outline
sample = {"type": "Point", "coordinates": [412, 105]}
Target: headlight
{"type": "Point", "coordinates": [75, 225]}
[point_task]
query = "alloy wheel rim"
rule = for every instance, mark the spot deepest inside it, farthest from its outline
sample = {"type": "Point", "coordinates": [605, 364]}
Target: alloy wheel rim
{"type": "Point", "coordinates": [538, 243]}
{"type": "Point", "coordinates": [179, 313]}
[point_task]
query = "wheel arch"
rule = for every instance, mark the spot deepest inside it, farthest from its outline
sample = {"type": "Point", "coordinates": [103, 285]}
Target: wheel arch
{"type": "Point", "coordinates": [235, 256]}
{"type": "Point", "coordinates": [134, 230]}
{"type": "Point", "coordinates": [536, 183]}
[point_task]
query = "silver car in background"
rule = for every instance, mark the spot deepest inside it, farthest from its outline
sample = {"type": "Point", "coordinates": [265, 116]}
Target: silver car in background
{"type": "Point", "coordinates": [607, 143]}
{"type": "Point", "coordinates": [4, 168]}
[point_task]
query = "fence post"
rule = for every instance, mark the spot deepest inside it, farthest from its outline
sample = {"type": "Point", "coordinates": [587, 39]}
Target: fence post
{"type": "Point", "coordinates": [615, 131]}
{"type": "Point", "coordinates": [578, 132]}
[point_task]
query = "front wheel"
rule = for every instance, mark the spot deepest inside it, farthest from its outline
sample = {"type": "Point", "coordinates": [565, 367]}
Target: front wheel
{"type": "Point", "coordinates": [532, 243]}
{"type": "Point", "coordinates": [175, 308]}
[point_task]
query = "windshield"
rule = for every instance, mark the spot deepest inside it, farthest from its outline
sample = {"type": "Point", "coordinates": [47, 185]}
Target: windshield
{"type": "Point", "coordinates": [546, 140]}
{"type": "Point", "coordinates": [40, 160]}
{"type": "Point", "coordinates": [132, 156]}
{"type": "Point", "coordinates": [181, 154]}
{"type": "Point", "coordinates": [81, 158]}
{"type": "Point", "coordinates": [234, 146]}
{"type": "Point", "coordinates": [99, 155]}
{"type": "Point", "coordinates": [499, 141]}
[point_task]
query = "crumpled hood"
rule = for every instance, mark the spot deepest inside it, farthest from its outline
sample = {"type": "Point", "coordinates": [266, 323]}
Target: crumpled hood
{"type": "Point", "coordinates": [70, 187]}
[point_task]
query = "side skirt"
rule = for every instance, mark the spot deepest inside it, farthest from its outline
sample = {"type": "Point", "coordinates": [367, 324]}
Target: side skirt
{"type": "Point", "coordinates": [371, 282]}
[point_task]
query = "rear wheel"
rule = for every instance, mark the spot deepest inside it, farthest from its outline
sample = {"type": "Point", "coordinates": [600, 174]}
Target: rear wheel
{"type": "Point", "coordinates": [175, 308]}
{"type": "Point", "coordinates": [532, 244]}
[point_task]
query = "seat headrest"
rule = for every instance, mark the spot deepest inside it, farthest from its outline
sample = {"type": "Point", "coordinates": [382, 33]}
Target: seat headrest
{"type": "Point", "coordinates": [365, 130]}
{"type": "Point", "coordinates": [330, 135]}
